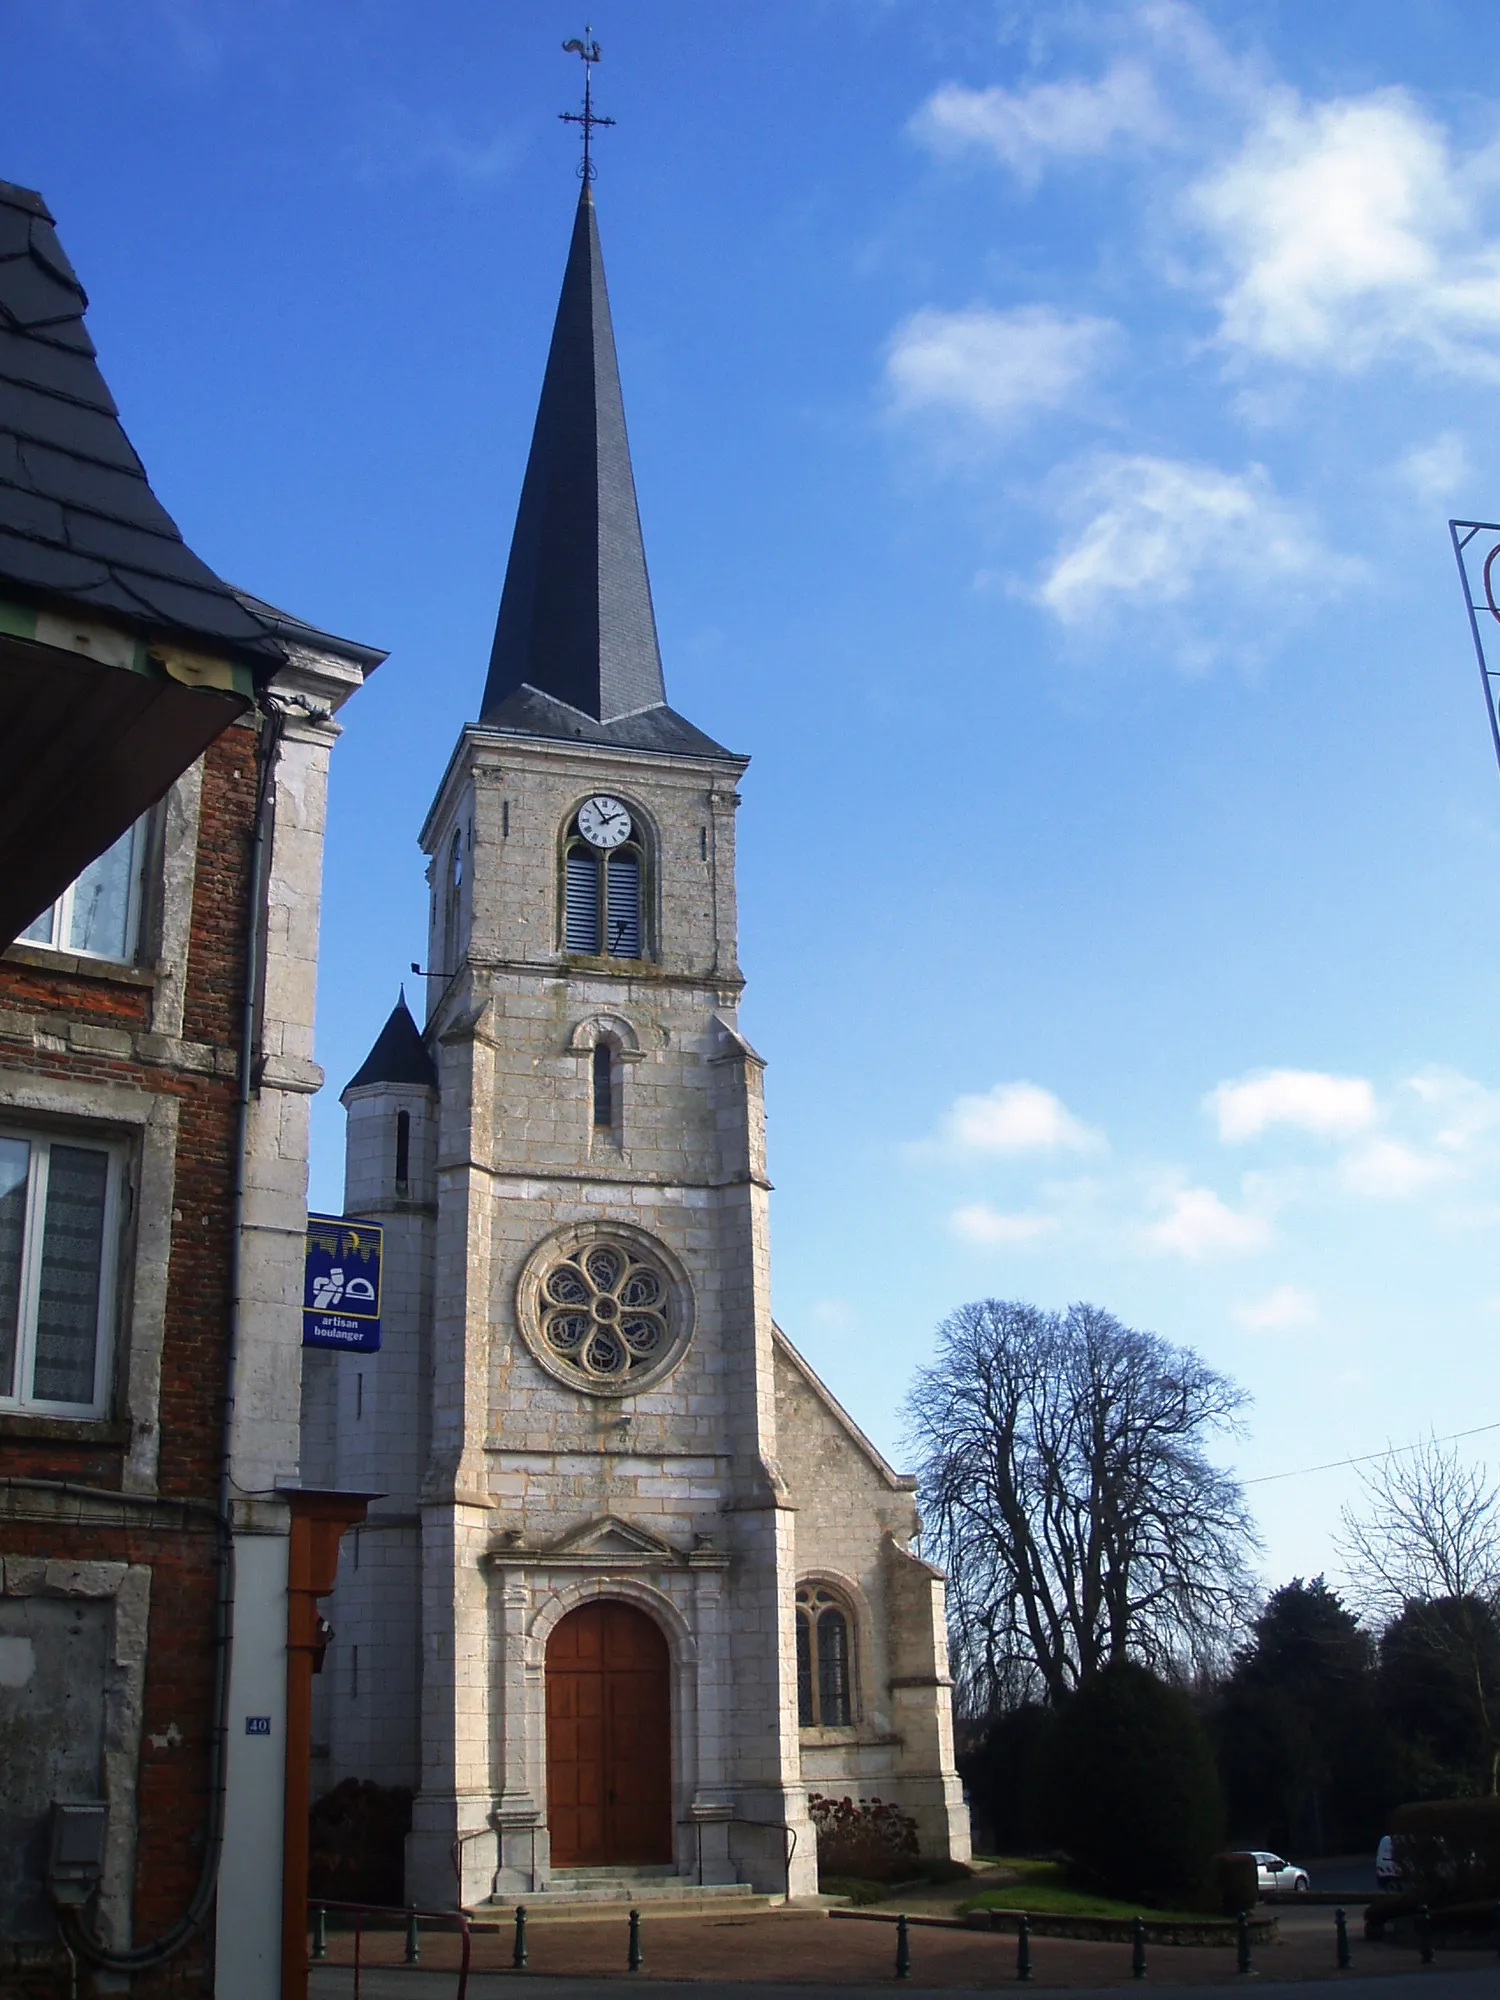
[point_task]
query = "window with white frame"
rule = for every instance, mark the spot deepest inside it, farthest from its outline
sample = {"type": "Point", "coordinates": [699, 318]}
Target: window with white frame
{"type": "Point", "coordinates": [59, 1235]}
{"type": "Point", "coordinates": [98, 915]}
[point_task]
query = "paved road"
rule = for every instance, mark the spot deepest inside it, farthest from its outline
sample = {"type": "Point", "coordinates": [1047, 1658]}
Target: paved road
{"type": "Point", "coordinates": [337, 1983]}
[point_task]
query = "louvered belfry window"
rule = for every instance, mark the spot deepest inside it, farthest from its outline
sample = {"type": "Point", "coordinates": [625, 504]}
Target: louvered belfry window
{"type": "Point", "coordinates": [623, 883]}
{"type": "Point", "coordinates": [603, 899]}
{"type": "Point", "coordinates": [581, 925]}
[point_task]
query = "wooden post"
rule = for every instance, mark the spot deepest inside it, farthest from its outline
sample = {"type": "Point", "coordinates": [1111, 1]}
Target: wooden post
{"type": "Point", "coordinates": [318, 1521]}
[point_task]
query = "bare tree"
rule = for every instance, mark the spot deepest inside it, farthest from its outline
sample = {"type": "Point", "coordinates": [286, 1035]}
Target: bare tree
{"type": "Point", "coordinates": [1424, 1548]}
{"type": "Point", "coordinates": [1066, 1490]}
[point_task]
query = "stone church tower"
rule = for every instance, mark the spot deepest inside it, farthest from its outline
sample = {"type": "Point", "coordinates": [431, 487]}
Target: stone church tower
{"type": "Point", "coordinates": [636, 1585]}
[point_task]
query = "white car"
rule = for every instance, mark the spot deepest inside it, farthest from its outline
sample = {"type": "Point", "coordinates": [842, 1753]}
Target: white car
{"type": "Point", "coordinates": [1276, 1877]}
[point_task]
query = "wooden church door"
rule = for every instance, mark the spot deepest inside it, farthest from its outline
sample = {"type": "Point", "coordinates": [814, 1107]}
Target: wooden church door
{"type": "Point", "coordinates": [609, 1738]}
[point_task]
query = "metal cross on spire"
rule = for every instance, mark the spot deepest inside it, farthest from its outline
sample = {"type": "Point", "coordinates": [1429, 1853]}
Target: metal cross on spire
{"type": "Point", "coordinates": [588, 118]}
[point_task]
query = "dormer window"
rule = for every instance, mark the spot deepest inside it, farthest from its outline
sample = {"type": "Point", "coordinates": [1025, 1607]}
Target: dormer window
{"type": "Point", "coordinates": [604, 869]}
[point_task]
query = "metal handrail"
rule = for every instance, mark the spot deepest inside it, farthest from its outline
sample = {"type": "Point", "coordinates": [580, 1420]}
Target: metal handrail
{"type": "Point", "coordinates": [788, 1845]}
{"type": "Point", "coordinates": [410, 1917]}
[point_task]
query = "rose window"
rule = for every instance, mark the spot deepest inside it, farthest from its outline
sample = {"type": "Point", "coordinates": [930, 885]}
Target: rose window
{"type": "Point", "coordinates": [605, 1308]}
{"type": "Point", "coordinates": [605, 1311]}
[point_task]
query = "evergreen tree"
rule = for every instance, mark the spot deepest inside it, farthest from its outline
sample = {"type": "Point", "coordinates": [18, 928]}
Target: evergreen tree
{"type": "Point", "coordinates": [1298, 1725]}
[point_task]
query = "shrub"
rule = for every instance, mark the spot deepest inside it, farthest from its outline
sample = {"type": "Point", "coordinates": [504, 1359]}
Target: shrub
{"type": "Point", "coordinates": [865, 1839]}
{"type": "Point", "coordinates": [357, 1843]}
{"type": "Point", "coordinates": [1236, 1883]}
{"type": "Point", "coordinates": [1137, 1798]}
{"type": "Point", "coordinates": [1002, 1773]}
{"type": "Point", "coordinates": [1448, 1850]}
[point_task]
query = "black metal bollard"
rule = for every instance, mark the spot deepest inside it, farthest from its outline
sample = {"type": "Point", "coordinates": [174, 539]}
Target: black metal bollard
{"type": "Point", "coordinates": [1341, 1933]}
{"type": "Point", "coordinates": [1138, 1950]}
{"type": "Point", "coordinates": [1023, 1948]}
{"type": "Point", "coordinates": [413, 1946]}
{"type": "Point", "coordinates": [633, 1963]}
{"type": "Point", "coordinates": [903, 1949]}
{"type": "Point", "coordinates": [518, 1953]}
{"type": "Point", "coordinates": [1242, 1940]}
{"type": "Point", "coordinates": [1424, 1933]}
{"type": "Point", "coordinates": [320, 1932]}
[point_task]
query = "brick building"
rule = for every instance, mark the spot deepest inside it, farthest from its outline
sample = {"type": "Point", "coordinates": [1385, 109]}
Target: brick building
{"type": "Point", "coordinates": [155, 1070]}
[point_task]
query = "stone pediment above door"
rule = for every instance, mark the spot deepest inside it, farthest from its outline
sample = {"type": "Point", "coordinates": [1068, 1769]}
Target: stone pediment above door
{"type": "Point", "coordinates": [605, 1543]}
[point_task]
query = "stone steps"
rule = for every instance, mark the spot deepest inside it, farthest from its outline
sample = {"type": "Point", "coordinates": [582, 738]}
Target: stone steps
{"type": "Point", "coordinates": [604, 1892]}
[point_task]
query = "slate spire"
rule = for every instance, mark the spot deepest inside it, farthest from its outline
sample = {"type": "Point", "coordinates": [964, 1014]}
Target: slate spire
{"type": "Point", "coordinates": [576, 622]}
{"type": "Point", "coordinates": [399, 1055]}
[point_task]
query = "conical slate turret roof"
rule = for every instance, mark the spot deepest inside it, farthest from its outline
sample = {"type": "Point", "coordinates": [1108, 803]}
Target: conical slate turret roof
{"type": "Point", "coordinates": [575, 652]}
{"type": "Point", "coordinates": [399, 1055]}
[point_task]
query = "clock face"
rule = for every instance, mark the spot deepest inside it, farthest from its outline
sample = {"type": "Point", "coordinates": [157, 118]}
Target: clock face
{"type": "Point", "coordinates": [603, 821]}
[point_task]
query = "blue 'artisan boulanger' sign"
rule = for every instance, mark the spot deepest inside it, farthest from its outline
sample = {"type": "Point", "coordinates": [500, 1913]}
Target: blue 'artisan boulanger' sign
{"type": "Point", "coordinates": [341, 1291]}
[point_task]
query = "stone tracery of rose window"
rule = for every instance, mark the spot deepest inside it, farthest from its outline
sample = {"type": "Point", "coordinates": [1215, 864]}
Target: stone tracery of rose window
{"type": "Point", "coordinates": [605, 1310]}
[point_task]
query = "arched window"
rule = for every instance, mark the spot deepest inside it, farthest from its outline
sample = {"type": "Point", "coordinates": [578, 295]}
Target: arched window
{"type": "Point", "coordinates": [604, 1084]}
{"type": "Point", "coordinates": [825, 1659]}
{"type": "Point", "coordinates": [604, 885]}
{"type": "Point", "coordinates": [453, 901]}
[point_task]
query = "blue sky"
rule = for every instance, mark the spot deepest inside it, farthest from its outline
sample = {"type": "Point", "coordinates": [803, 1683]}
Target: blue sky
{"type": "Point", "coordinates": [1045, 423]}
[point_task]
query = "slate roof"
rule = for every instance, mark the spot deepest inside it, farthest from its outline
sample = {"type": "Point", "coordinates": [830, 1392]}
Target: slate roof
{"type": "Point", "coordinates": [575, 641]}
{"type": "Point", "coordinates": [399, 1055]}
{"type": "Point", "coordinates": [78, 520]}
{"type": "Point", "coordinates": [286, 625]}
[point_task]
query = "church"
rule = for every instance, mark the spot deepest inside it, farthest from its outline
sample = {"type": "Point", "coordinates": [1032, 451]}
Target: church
{"type": "Point", "coordinates": [635, 1586]}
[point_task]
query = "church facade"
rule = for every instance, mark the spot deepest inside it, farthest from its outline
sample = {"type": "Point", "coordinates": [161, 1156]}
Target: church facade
{"type": "Point", "coordinates": [636, 1585]}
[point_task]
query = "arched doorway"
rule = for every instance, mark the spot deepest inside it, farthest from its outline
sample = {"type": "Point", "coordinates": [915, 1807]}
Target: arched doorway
{"type": "Point", "coordinates": [609, 1738]}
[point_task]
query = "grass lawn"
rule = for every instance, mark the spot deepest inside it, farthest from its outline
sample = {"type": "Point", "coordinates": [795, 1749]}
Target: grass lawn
{"type": "Point", "coordinates": [1044, 1886]}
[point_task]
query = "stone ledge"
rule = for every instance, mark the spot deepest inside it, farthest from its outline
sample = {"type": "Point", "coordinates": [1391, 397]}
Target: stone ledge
{"type": "Point", "coordinates": [80, 1431]}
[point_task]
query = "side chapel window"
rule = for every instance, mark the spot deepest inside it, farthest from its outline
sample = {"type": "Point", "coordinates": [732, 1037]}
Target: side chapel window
{"type": "Point", "coordinates": [604, 872]}
{"type": "Point", "coordinates": [825, 1661]}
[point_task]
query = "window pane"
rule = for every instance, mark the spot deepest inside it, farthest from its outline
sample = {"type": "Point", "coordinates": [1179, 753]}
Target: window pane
{"type": "Point", "coordinates": [805, 1716]}
{"type": "Point", "coordinates": [624, 906]}
{"type": "Point", "coordinates": [833, 1668]}
{"type": "Point", "coordinates": [41, 931]}
{"type": "Point", "coordinates": [604, 1111]}
{"type": "Point", "coordinates": [15, 1162]}
{"type": "Point", "coordinates": [67, 1319]}
{"type": "Point", "coordinates": [100, 922]}
{"type": "Point", "coordinates": [581, 921]}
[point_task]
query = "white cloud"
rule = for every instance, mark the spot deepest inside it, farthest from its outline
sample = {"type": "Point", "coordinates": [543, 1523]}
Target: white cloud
{"type": "Point", "coordinates": [1386, 1170]}
{"type": "Point", "coordinates": [1467, 1113]}
{"type": "Point", "coordinates": [1024, 129]}
{"type": "Point", "coordinates": [1199, 1225]}
{"type": "Point", "coordinates": [1348, 234]}
{"type": "Point", "coordinates": [997, 366]}
{"type": "Point", "coordinates": [1435, 470]}
{"type": "Point", "coordinates": [1333, 1106]}
{"type": "Point", "coordinates": [979, 1223]}
{"type": "Point", "coordinates": [1017, 1118]}
{"type": "Point", "coordinates": [1284, 1307]}
{"type": "Point", "coordinates": [1162, 528]}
